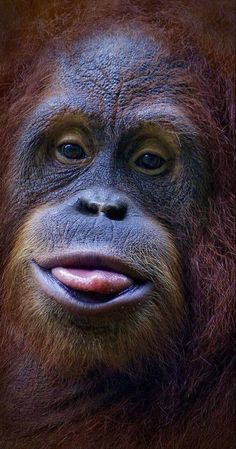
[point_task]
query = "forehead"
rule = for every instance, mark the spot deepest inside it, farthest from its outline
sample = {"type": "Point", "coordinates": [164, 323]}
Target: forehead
{"type": "Point", "coordinates": [117, 54]}
{"type": "Point", "coordinates": [114, 81]}
{"type": "Point", "coordinates": [110, 74]}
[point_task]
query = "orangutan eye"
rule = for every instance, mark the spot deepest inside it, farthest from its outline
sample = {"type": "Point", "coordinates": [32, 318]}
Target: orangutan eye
{"type": "Point", "coordinates": [150, 161]}
{"type": "Point", "coordinates": [71, 151]}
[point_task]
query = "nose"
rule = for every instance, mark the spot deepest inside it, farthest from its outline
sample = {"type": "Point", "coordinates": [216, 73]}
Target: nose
{"type": "Point", "coordinates": [102, 201]}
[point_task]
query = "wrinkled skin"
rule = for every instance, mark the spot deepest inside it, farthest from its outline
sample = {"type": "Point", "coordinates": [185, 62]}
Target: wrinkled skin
{"type": "Point", "coordinates": [116, 93]}
{"type": "Point", "coordinates": [111, 126]}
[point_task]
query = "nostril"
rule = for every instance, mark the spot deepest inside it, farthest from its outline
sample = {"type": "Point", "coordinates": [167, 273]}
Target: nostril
{"type": "Point", "coordinates": [112, 208]}
{"type": "Point", "coordinates": [87, 208]}
{"type": "Point", "coordinates": [115, 212]}
{"type": "Point", "coordinates": [93, 208]}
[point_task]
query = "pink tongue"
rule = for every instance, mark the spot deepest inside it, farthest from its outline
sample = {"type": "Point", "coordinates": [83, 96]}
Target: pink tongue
{"type": "Point", "coordinates": [97, 281]}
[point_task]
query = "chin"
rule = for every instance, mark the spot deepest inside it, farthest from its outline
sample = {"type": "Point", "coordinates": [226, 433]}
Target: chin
{"type": "Point", "coordinates": [101, 307]}
{"type": "Point", "coordinates": [70, 342]}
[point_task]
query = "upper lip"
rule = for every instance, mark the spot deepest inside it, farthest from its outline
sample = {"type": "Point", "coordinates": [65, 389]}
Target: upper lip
{"type": "Point", "coordinates": [89, 260]}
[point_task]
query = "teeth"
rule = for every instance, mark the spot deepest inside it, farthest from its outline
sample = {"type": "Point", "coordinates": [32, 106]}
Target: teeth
{"type": "Point", "coordinates": [96, 281]}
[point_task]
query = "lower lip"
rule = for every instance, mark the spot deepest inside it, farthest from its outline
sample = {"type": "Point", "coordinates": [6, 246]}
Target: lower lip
{"type": "Point", "coordinates": [81, 303]}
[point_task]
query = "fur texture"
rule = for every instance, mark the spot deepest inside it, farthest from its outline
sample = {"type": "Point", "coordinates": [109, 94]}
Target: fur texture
{"type": "Point", "coordinates": [192, 405]}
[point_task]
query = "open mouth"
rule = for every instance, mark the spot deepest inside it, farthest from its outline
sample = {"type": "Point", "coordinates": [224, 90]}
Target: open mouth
{"type": "Point", "coordinates": [89, 283]}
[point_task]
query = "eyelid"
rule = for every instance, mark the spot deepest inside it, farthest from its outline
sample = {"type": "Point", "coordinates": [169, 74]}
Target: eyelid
{"type": "Point", "coordinates": [75, 138]}
{"type": "Point", "coordinates": [69, 130]}
{"type": "Point", "coordinates": [150, 146]}
{"type": "Point", "coordinates": [138, 154]}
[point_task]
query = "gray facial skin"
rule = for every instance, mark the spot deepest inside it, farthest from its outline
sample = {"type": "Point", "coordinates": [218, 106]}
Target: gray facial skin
{"type": "Point", "coordinates": [119, 88]}
{"type": "Point", "coordinates": [119, 97]}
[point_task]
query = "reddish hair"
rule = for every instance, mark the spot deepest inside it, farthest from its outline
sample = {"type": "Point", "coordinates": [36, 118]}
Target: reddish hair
{"type": "Point", "coordinates": [195, 404]}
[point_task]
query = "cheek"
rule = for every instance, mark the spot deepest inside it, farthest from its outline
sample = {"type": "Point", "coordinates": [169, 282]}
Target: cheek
{"type": "Point", "coordinates": [120, 338]}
